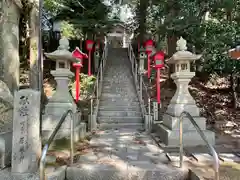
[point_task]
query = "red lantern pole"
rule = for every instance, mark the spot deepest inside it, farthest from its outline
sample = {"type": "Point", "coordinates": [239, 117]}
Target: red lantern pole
{"type": "Point", "coordinates": [89, 63]}
{"type": "Point", "coordinates": [149, 47]}
{"type": "Point", "coordinates": [78, 54]}
{"type": "Point", "coordinates": [77, 79]}
{"type": "Point", "coordinates": [89, 47]}
{"type": "Point", "coordinates": [149, 65]}
{"type": "Point", "coordinates": [158, 86]}
{"type": "Point", "coordinates": [158, 58]}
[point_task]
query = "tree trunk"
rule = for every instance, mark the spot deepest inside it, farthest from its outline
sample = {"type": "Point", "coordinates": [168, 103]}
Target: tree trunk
{"type": "Point", "coordinates": [234, 85]}
{"type": "Point", "coordinates": [34, 38]}
{"type": "Point", "coordinates": [142, 19]}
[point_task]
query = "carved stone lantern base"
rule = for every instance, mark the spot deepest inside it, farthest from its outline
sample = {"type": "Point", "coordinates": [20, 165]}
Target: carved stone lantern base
{"type": "Point", "coordinates": [183, 101]}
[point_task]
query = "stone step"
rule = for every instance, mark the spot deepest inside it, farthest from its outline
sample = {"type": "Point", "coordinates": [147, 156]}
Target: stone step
{"type": "Point", "coordinates": [116, 95]}
{"type": "Point", "coordinates": [51, 172]}
{"type": "Point", "coordinates": [119, 86]}
{"type": "Point", "coordinates": [119, 103]}
{"type": "Point", "coordinates": [106, 119]}
{"type": "Point", "coordinates": [121, 125]}
{"type": "Point", "coordinates": [119, 113]}
{"type": "Point", "coordinates": [123, 100]}
{"type": "Point", "coordinates": [109, 107]}
{"type": "Point", "coordinates": [122, 79]}
{"type": "Point", "coordinates": [130, 92]}
{"type": "Point", "coordinates": [121, 171]}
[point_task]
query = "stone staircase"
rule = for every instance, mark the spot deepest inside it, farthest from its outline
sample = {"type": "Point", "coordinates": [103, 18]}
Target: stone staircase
{"type": "Point", "coordinates": [119, 105]}
{"type": "Point", "coordinates": [119, 150]}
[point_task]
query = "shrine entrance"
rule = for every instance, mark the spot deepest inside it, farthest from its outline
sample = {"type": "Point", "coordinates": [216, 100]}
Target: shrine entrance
{"type": "Point", "coordinates": [118, 37]}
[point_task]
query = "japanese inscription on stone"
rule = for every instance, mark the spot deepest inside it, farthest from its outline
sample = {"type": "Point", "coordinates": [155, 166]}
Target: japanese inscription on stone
{"type": "Point", "coordinates": [26, 140]}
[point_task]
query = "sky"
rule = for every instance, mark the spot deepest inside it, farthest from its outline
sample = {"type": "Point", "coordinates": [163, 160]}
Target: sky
{"type": "Point", "coordinates": [125, 11]}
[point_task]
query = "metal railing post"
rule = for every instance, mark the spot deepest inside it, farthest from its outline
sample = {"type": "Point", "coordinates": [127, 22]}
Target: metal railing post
{"type": "Point", "coordinates": [210, 147]}
{"type": "Point", "coordinates": [91, 108]}
{"type": "Point", "coordinates": [136, 73]}
{"type": "Point", "coordinates": [149, 113]}
{"type": "Point", "coordinates": [140, 87]}
{"type": "Point", "coordinates": [71, 139]}
{"type": "Point", "coordinates": [101, 73]}
{"type": "Point", "coordinates": [97, 88]}
{"type": "Point", "coordinates": [181, 142]}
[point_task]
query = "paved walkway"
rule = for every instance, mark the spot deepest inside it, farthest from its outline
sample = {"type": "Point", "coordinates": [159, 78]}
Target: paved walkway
{"type": "Point", "coordinates": [124, 154]}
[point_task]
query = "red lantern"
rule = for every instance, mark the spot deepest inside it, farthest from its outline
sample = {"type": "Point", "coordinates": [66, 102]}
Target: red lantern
{"type": "Point", "coordinates": [148, 48]}
{"type": "Point", "coordinates": [158, 59]}
{"type": "Point", "coordinates": [89, 47]}
{"type": "Point", "coordinates": [79, 55]}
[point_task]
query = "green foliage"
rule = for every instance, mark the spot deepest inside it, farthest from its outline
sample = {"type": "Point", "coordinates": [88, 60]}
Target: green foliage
{"type": "Point", "coordinates": [87, 85]}
{"type": "Point", "coordinates": [85, 14]}
{"type": "Point", "coordinates": [68, 30]}
{"type": "Point", "coordinates": [211, 26]}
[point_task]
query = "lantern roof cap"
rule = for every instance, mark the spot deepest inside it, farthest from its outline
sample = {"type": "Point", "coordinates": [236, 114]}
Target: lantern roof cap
{"type": "Point", "coordinates": [141, 49]}
{"type": "Point", "coordinates": [182, 54]}
{"type": "Point", "coordinates": [62, 53]}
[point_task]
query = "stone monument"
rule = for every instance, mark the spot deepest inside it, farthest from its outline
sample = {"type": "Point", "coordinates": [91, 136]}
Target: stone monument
{"type": "Point", "coordinates": [183, 101]}
{"type": "Point", "coordinates": [61, 100]}
{"type": "Point", "coordinates": [26, 142]}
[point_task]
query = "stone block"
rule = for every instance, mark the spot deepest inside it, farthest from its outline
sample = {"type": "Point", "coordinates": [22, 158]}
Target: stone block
{"type": "Point", "coordinates": [177, 109]}
{"type": "Point", "coordinates": [53, 114]}
{"type": "Point", "coordinates": [96, 172]}
{"type": "Point", "coordinates": [50, 121]}
{"type": "Point", "coordinates": [190, 138]}
{"type": "Point", "coordinates": [173, 122]}
{"type": "Point", "coordinates": [79, 133]}
{"type": "Point", "coordinates": [92, 122]}
{"type": "Point", "coordinates": [52, 173]}
{"type": "Point", "coordinates": [5, 149]}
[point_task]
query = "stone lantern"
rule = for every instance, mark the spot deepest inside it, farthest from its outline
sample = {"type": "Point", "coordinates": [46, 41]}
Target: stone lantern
{"type": "Point", "coordinates": [142, 57]}
{"type": "Point", "coordinates": [61, 100]}
{"type": "Point", "coordinates": [63, 59]}
{"type": "Point", "coordinates": [183, 101]}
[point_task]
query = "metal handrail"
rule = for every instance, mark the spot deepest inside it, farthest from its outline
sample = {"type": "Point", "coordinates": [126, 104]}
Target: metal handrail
{"type": "Point", "coordinates": [210, 147]}
{"type": "Point", "coordinates": [140, 85]}
{"type": "Point", "coordinates": [98, 83]}
{"type": "Point", "coordinates": [50, 140]}
{"type": "Point", "coordinates": [95, 87]}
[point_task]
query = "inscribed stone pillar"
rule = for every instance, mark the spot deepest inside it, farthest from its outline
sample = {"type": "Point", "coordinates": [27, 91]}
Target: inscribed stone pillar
{"type": "Point", "coordinates": [26, 143]}
{"type": "Point", "coordinates": [183, 101]}
{"type": "Point", "coordinates": [9, 43]}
